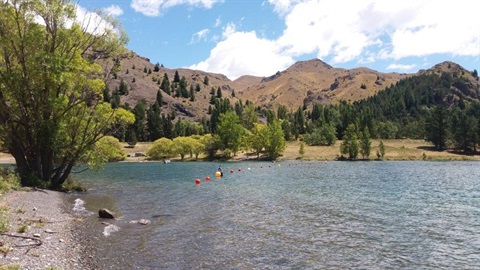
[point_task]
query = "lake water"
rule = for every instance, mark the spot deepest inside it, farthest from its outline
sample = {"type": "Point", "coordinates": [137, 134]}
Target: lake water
{"type": "Point", "coordinates": [288, 215]}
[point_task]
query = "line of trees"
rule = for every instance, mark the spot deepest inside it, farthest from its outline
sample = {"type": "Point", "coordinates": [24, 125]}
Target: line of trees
{"type": "Point", "coordinates": [419, 107]}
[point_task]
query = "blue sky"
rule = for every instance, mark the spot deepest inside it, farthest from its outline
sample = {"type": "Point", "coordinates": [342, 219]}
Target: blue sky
{"type": "Point", "coordinates": [262, 37]}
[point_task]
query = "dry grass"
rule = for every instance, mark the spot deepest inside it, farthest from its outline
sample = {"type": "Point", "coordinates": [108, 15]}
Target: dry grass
{"type": "Point", "coordinates": [404, 149]}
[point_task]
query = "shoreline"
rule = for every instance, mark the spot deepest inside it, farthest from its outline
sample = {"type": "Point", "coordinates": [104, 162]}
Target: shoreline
{"type": "Point", "coordinates": [44, 231]}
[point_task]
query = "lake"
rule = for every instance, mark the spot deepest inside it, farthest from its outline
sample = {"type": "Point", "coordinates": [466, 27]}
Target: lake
{"type": "Point", "coordinates": [286, 215]}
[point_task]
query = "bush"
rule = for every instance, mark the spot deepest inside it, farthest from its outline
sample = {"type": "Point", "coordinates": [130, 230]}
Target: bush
{"type": "Point", "coordinates": [325, 136]}
{"type": "Point", "coordinates": [109, 149]}
{"type": "Point", "coordinates": [8, 180]}
{"type": "Point", "coordinates": [160, 149]}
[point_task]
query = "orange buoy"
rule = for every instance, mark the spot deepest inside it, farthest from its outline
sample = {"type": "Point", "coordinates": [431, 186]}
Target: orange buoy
{"type": "Point", "coordinates": [207, 178]}
{"type": "Point", "coordinates": [197, 181]}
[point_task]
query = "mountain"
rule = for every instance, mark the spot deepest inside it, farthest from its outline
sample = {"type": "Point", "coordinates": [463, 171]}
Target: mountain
{"type": "Point", "coordinates": [315, 81]}
{"type": "Point", "coordinates": [302, 84]}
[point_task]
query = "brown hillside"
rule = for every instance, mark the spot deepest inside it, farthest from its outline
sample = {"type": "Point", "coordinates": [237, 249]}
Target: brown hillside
{"type": "Point", "coordinates": [144, 85]}
{"type": "Point", "coordinates": [314, 81]}
{"type": "Point", "coordinates": [305, 82]}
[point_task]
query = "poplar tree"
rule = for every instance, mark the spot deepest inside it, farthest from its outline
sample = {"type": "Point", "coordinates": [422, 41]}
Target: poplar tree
{"type": "Point", "coordinates": [350, 145]}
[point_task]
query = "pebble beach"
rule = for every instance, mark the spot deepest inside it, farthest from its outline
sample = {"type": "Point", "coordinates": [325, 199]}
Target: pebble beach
{"type": "Point", "coordinates": [42, 234]}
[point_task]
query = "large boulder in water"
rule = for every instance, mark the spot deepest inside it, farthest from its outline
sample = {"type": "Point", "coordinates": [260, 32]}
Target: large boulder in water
{"type": "Point", "coordinates": [105, 213]}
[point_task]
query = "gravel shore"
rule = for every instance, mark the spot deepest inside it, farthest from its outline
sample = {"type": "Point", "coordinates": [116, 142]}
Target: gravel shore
{"type": "Point", "coordinates": [42, 233]}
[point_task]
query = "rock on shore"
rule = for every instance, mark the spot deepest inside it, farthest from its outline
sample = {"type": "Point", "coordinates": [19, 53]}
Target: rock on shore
{"type": "Point", "coordinates": [38, 217]}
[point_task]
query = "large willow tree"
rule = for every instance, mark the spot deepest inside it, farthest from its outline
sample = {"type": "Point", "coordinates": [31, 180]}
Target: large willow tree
{"type": "Point", "coordinates": [51, 106]}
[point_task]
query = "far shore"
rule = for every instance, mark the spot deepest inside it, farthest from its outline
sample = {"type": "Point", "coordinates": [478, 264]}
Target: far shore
{"type": "Point", "coordinates": [395, 150]}
{"type": "Point", "coordinates": [398, 149]}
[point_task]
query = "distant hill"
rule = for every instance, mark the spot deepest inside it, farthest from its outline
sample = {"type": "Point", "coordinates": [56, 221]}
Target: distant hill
{"type": "Point", "coordinates": [304, 83]}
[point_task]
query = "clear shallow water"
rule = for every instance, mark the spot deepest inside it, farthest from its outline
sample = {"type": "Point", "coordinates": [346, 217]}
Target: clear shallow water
{"type": "Point", "coordinates": [289, 215]}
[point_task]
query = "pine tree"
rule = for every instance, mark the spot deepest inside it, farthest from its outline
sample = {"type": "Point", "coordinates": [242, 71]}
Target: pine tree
{"type": "Point", "coordinates": [205, 80]}
{"type": "Point", "coordinates": [176, 77]}
{"type": "Point", "coordinates": [159, 98]}
{"type": "Point", "coordinates": [219, 93]}
{"type": "Point", "coordinates": [106, 94]}
{"type": "Point", "coordinates": [192, 93]}
{"type": "Point", "coordinates": [123, 88]}
{"type": "Point", "coordinates": [436, 126]}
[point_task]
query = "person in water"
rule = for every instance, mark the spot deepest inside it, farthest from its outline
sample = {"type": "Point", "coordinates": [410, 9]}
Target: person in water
{"type": "Point", "coordinates": [220, 170]}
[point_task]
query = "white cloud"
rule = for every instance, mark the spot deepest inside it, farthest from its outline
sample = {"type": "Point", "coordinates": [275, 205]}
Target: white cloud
{"type": "Point", "coordinates": [91, 22]}
{"type": "Point", "coordinates": [244, 53]}
{"type": "Point", "coordinates": [200, 35]}
{"type": "Point", "coordinates": [282, 6]}
{"type": "Point", "coordinates": [228, 30]}
{"type": "Point", "coordinates": [342, 31]}
{"type": "Point", "coordinates": [218, 22]}
{"type": "Point", "coordinates": [401, 67]}
{"type": "Point", "coordinates": [114, 10]}
{"type": "Point", "coordinates": [155, 7]}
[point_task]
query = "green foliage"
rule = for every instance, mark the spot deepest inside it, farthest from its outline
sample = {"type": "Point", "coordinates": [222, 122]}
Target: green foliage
{"type": "Point", "coordinates": [206, 80]}
{"type": "Point", "coordinates": [365, 144]}
{"type": "Point", "coordinates": [301, 150]}
{"type": "Point", "coordinates": [387, 130]}
{"type": "Point", "coordinates": [275, 139]}
{"type": "Point", "coordinates": [257, 139]}
{"type": "Point", "coordinates": [183, 146]}
{"type": "Point", "coordinates": [9, 180]}
{"type": "Point", "coordinates": [381, 150]}
{"type": "Point", "coordinates": [436, 127]}
{"type": "Point", "coordinates": [282, 112]}
{"type": "Point", "coordinates": [73, 185]}
{"type": "Point", "coordinates": [57, 111]}
{"type": "Point", "coordinates": [230, 131]}
{"type": "Point", "coordinates": [350, 145]}
{"type": "Point", "coordinates": [161, 149]}
{"type": "Point", "coordinates": [249, 116]}
{"type": "Point", "coordinates": [176, 77]}
{"type": "Point", "coordinates": [4, 221]}
{"type": "Point", "coordinates": [324, 135]}
{"type": "Point", "coordinates": [107, 149]}
{"type": "Point", "coordinates": [211, 144]}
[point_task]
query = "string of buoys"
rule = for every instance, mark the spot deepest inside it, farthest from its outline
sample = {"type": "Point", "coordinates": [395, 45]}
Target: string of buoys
{"type": "Point", "coordinates": [219, 174]}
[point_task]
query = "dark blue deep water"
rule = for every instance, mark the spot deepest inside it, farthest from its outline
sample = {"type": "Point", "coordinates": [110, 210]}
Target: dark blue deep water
{"type": "Point", "coordinates": [288, 215]}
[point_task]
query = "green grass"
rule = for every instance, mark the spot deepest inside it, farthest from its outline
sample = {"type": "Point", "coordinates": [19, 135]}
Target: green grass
{"type": "Point", "coordinates": [8, 180]}
{"type": "Point", "coordinates": [4, 222]}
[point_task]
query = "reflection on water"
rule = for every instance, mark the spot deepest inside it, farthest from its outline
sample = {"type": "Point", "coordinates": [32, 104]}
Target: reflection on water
{"type": "Point", "coordinates": [288, 215]}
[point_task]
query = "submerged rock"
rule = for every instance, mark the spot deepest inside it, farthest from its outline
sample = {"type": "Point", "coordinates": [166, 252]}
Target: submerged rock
{"type": "Point", "coordinates": [105, 213]}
